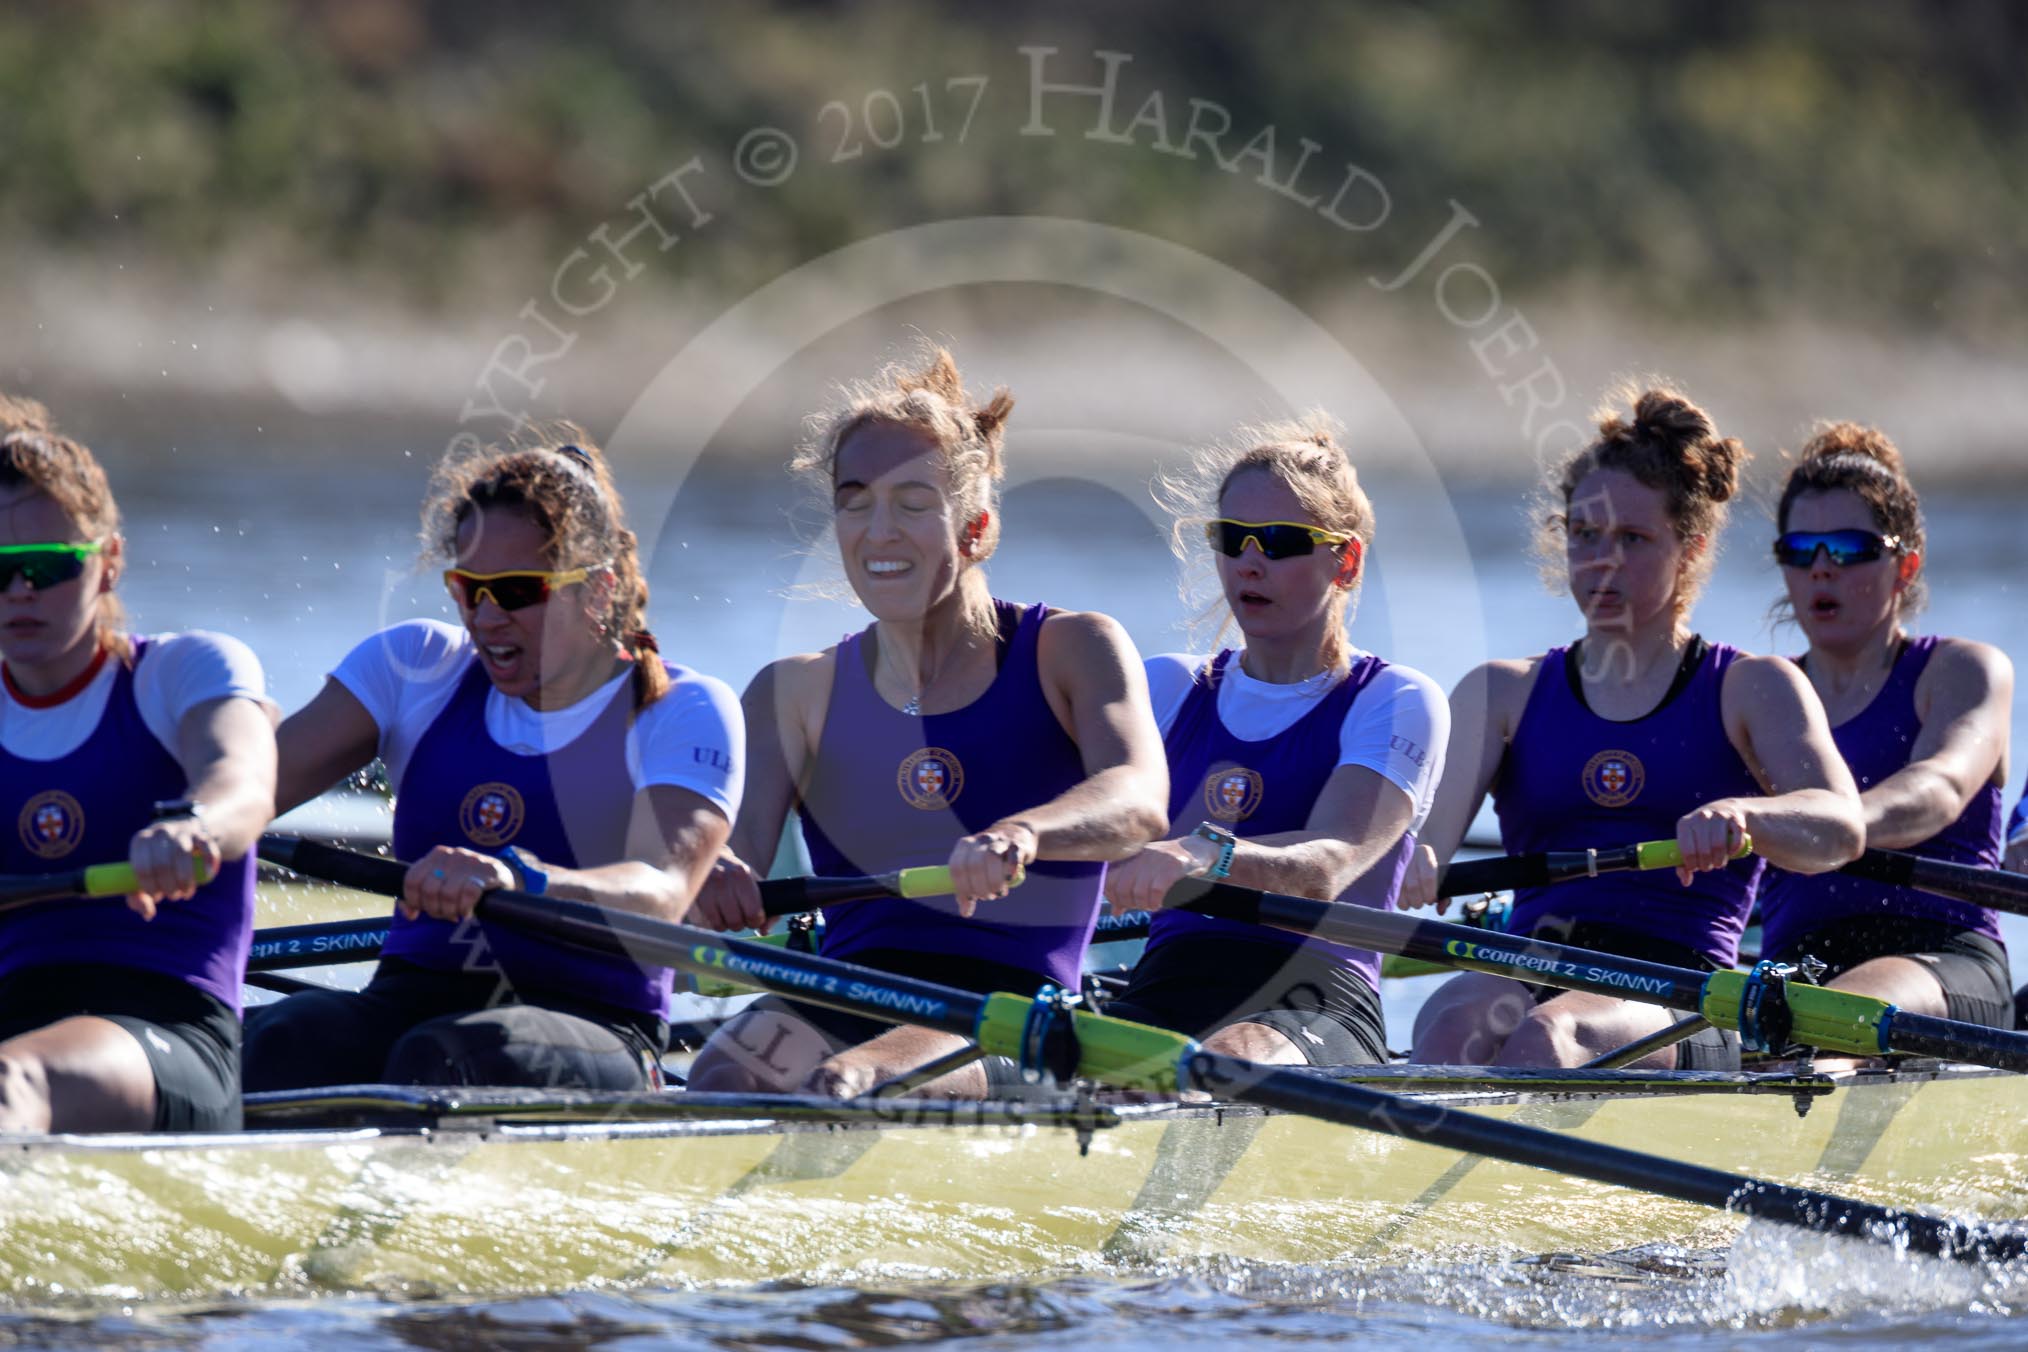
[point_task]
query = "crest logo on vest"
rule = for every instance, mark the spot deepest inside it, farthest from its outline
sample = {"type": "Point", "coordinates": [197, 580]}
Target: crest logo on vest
{"type": "Point", "coordinates": [491, 814]}
{"type": "Point", "coordinates": [52, 824]}
{"type": "Point", "coordinates": [931, 779]}
{"type": "Point", "coordinates": [1232, 793]}
{"type": "Point", "coordinates": [1614, 778]}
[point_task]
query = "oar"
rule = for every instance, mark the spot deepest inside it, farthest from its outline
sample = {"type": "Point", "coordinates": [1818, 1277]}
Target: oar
{"type": "Point", "coordinates": [779, 896]}
{"type": "Point", "coordinates": [1046, 1034]}
{"type": "Point", "coordinates": [98, 880]}
{"type": "Point", "coordinates": [95, 880]}
{"type": "Point", "coordinates": [1766, 1009]}
{"type": "Point", "coordinates": [1995, 889]}
{"type": "Point", "coordinates": [1506, 872]}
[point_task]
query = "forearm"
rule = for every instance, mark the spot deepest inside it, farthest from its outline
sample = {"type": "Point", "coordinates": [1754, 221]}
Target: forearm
{"type": "Point", "coordinates": [1106, 817]}
{"type": "Point", "coordinates": [237, 805]}
{"type": "Point", "coordinates": [1910, 806]}
{"type": "Point", "coordinates": [630, 885]}
{"type": "Point", "coordinates": [1807, 830]}
{"type": "Point", "coordinates": [1302, 865]}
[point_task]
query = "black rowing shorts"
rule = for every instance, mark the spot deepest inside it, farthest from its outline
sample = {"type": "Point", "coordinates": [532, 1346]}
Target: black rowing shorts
{"type": "Point", "coordinates": [190, 1038]}
{"type": "Point", "coordinates": [1198, 984]}
{"type": "Point", "coordinates": [1707, 1049]}
{"type": "Point", "coordinates": [1971, 967]}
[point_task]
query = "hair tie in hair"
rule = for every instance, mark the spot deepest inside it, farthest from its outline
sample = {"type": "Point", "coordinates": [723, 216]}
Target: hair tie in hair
{"type": "Point", "coordinates": [577, 453]}
{"type": "Point", "coordinates": [641, 641]}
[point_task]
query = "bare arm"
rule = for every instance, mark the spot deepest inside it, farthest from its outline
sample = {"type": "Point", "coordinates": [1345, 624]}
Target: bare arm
{"type": "Point", "coordinates": [1097, 685]}
{"type": "Point", "coordinates": [321, 743]}
{"type": "Point", "coordinates": [226, 748]}
{"type": "Point", "coordinates": [782, 706]}
{"type": "Point", "coordinates": [1098, 690]}
{"type": "Point", "coordinates": [1964, 696]}
{"type": "Point", "coordinates": [1486, 706]}
{"type": "Point", "coordinates": [674, 838]}
{"type": "Point", "coordinates": [1810, 820]}
{"type": "Point", "coordinates": [1355, 823]}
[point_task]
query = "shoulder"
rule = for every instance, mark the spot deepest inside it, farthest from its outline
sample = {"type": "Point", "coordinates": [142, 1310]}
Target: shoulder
{"type": "Point", "coordinates": [1504, 681]}
{"type": "Point", "coordinates": [796, 688]}
{"type": "Point", "coordinates": [198, 665]}
{"type": "Point", "coordinates": [1406, 684]}
{"type": "Point", "coordinates": [692, 694]}
{"type": "Point", "coordinates": [201, 647]}
{"type": "Point", "coordinates": [1083, 634]}
{"type": "Point", "coordinates": [1964, 659]}
{"type": "Point", "coordinates": [1170, 671]}
{"type": "Point", "coordinates": [1763, 681]}
{"type": "Point", "coordinates": [414, 650]}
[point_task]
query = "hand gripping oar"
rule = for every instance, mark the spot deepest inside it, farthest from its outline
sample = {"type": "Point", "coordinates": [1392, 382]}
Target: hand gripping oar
{"type": "Point", "coordinates": [1044, 1033]}
{"type": "Point", "coordinates": [96, 880]}
{"type": "Point", "coordinates": [1765, 1006]}
{"type": "Point", "coordinates": [1504, 873]}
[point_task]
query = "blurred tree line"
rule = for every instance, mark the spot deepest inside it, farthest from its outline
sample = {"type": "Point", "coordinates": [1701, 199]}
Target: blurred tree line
{"type": "Point", "coordinates": [1717, 159]}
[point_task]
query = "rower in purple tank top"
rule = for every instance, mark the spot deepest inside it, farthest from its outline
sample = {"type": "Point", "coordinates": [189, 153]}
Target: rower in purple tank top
{"type": "Point", "coordinates": [1922, 722]}
{"type": "Point", "coordinates": [1002, 740]}
{"type": "Point", "coordinates": [1638, 731]}
{"type": "Point", "coordinates": [545, 746]}
{"type": "Point", "coordinates": [1297, 764]}
{"type": "Point", "coordinates": [117, 1014]}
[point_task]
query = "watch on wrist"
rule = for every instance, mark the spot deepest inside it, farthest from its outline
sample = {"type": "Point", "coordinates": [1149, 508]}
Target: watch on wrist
{"type": "Point", "coordinates": [1225, 842]}
{"type": "Point", "coordinates": [528, 875]}
{"type": "Point", "coordinates": [176, 809]}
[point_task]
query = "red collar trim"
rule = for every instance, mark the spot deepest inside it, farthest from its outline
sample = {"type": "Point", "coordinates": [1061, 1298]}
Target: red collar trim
{"type": "Point", "coordinates": [70, 690]}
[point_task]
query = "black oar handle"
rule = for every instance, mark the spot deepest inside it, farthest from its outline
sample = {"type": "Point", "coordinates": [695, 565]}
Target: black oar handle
{"type": "Point", "coordinates": [369, 873]}
{"type": "Point", "coordinates": [1995, 889]}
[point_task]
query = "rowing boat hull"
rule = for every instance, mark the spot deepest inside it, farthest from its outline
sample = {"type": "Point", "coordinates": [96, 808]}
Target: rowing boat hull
{"type": "Point", "coordinates": [477, 1209]}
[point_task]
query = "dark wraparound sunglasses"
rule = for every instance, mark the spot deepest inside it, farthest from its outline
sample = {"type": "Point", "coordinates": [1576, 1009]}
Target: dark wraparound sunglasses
{"type": "Point", "coordinates": [1275, 539]}
{"type": "Point", "coordinates": [44, 565]}
{"type": "Point", "coordinates": [1798, 548]}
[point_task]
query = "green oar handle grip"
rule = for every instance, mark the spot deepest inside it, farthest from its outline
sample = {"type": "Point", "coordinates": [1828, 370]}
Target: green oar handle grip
{"type": "Point", "coordinates": [1667, 854]}
{"type": "Point", "coordinates": [931, 881]}
{"type": "Point", "coordinates": [118, 880]}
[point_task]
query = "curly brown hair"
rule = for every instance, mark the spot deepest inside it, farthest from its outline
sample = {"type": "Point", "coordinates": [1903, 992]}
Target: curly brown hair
{"type": "Point", "coordinates": [1861, 460]}
{"type": "Point", "coordinates": [33, 453]}
{"type": "Point", "coordinates": [1668, 444]}
{"type": "Point", "coordinates": [560, 480]}
{"type": "Point", "coordinates": [928, 396]}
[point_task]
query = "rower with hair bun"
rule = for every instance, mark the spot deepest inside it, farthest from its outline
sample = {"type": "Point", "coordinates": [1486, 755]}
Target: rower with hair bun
{"type": "Point", "coordinates": [1922, 721]}
{"type": "Point", "coordinates": [1639, 730]}
{"type": "Point", "coordinates": [117, 1014]}
{"type": "Point", "coordinates": [543, 745]}
{"type": "Point", "coordinates": [1012, 742]}
{"type": "Point", "coordinates": [1297, 763]}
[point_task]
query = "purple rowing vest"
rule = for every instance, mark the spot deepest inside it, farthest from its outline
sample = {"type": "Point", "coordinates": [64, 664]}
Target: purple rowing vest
{"type": "Point", "coordinates": [891, 791]}
{"type": "Point", "coordinates": [569, 807]}
{"type": "Point", "coordinates": [1260, 788]}
{"type": "Point", "coordinates": [1572, 780]}
{"type": "Point", "coordinates": [1876, 743]}
{"type": "Point", "coordinates": [84, 808]}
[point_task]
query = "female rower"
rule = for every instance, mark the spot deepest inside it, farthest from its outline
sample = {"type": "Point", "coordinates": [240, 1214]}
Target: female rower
{"type": "Point", "coordinates": [544, 745]}
{"type": "Point", "coordinates": [1639, 730]}
{"type": "Point", "coordinates": [1922, 723]}
{"type": "Point", "coordinates": [1303, 764]}
{"type": "Point", "coordinates": [1020, 733]}
{"type": "Point", "coordinates": [117, 1015]}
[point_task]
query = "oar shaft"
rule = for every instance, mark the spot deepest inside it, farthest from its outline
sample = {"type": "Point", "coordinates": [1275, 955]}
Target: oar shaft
{"type": "Point", "coordinates": [1460, 946]}
{"type": "Point", "coordinates": [1439, 1125]}
{"type": "Point", "coordinates": [1995, 889]}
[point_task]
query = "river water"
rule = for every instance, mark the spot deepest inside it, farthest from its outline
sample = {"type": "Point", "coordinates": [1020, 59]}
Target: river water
{"type": "Point", "coordinates": [303, 554]}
